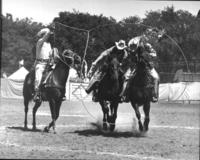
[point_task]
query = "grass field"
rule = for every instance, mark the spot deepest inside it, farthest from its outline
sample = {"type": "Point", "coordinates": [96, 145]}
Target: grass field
{"type": "Point", "coordinates": [173, 133]}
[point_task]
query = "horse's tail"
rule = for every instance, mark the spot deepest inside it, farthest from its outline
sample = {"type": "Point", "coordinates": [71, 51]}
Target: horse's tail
{"type": "Point", "coordinates": [28, 86]}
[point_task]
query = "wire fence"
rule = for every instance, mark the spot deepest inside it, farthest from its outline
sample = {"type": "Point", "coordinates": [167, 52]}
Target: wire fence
{"type": "Point", "coordinates": [178, 72]}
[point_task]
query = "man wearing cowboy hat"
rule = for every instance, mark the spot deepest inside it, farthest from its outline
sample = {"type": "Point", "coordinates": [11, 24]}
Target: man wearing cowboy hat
{"type": "Point", "coordinates": [96, 73]}
{"type": "Point", "coordinates": [43, 57]}
{"type": "Point", "coordinates": [139, 45]}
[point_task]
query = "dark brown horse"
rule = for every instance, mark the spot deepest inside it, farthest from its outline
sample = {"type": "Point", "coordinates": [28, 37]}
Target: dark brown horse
{"type": "Point", "coordinates": [54, 88]}
{"type": "Point", "coordinates": [108, 91]}
{"type": "Point", "coordinates": [141, 88]}
{"type": "Point", "coordinates": [140, 91]}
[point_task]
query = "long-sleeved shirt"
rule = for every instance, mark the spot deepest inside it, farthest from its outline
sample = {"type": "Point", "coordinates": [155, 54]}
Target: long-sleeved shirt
{"type": "Point", "coordinates": [43, 48]}
{"type": "Point", "coordinates": [112, 50]}
{"type": "Point", "coordinates": [146, 50]}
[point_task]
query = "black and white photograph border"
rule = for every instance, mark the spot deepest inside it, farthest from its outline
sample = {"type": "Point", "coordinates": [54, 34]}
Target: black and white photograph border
{"type": "Point", "coordinates": [78, 80]}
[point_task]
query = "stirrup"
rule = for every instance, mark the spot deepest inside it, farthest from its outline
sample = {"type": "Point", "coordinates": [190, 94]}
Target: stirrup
{"type": "Point", "coordinates": [37, 98]}
{"type": "Point", "coordinates": [154, 99]}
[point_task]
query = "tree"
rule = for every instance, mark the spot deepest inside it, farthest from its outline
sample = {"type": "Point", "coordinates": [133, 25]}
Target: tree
{"type": "Point", "coordinates": [72, 28]}
{"type": "Point", "coordinates": [18, 39]}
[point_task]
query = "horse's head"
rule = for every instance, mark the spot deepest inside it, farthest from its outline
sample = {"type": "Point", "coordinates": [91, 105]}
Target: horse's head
{"type": "Point", "coordinates": [109, 86]}
{"type": "Point", "coordinates": [72, 59]}
{"type": "Point", "coordinates": [113, 68]}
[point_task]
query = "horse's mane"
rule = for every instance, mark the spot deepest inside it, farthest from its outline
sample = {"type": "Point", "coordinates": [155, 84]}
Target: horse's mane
{"type": "Point", "coordinates": [142, 75]}
{"type": "Point", "coordinates": [110, 85]}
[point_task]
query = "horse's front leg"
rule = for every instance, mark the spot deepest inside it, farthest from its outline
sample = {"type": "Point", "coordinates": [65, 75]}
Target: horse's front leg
{"type": "Point", "coordinates": [114, 107]}
{"type": "Point", "coordinates": [138, 115]}
{"type": "Point", "coordinates": [105, 110]}
{"type": "Point", "coordinates": [52, 105]}
{"type": "Point", "coordinates": [35, 108]}
{"type": "Point", "coordinates": [146, 109]}
{"type": "Point", "coordinates": [26, 112]}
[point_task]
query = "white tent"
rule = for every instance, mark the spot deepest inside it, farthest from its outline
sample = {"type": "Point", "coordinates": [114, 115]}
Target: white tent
{"type": "Point", "coordinates": [20, 74]}
{"type": "Point", "coordinates": [12, 86]}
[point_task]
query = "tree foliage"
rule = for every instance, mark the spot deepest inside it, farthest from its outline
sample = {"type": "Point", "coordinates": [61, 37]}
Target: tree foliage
{"type": "Point", "coordinates": [182, 28]}
{"type": "Point", "coordinates": [18, 40]}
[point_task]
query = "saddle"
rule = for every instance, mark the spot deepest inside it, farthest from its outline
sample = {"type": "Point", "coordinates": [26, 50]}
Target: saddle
{"type": "Point", "coordinates": [142, 76]}
{"type": "Point", "coordinates": [144, 80]}
{"type": "Point", "coordinates": [48, 79]}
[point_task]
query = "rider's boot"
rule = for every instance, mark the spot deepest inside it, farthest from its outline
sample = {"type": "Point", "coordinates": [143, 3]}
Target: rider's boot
{"type": "Point", "coordinates": [91, 86]}
{"type": "Point", "coordinates": [124, 97]}
{"type": "Point", "coordinates": [37, 96]}
{"type": "Point", "coordinates": [155, 91]}
{"type": "Point", "coordinates": [94, 81]}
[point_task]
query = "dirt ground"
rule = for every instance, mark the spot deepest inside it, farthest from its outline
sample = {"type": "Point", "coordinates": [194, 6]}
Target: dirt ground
{"type": "Point", "coordinates": [173, 133]}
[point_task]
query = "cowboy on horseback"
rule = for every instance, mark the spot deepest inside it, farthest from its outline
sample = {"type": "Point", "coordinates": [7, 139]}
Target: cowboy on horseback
{"type": "Point", "coordinates": [140, 46]}
{"type": "Point", "coordinates": [44, 57]}
{"type": "Point", "coordinates": [96, 72]}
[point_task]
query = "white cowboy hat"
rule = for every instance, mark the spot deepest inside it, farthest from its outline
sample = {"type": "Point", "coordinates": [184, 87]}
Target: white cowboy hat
{"type": "Point", "coordinates": [134, 42]}
{"type": "Point", "coordinates": [121, 44]}
{"type": "Point", "coordinates": [43, 31]}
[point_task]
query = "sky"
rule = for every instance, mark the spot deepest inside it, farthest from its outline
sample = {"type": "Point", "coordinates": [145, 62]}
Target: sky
{"type": "Point", "coordinates": [45, 10]}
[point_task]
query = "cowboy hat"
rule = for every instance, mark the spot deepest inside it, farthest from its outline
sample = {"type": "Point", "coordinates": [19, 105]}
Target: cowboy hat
{"type": "Point", "coordinates": [134, 43]}
{"type": "Point", "coordinates": [43, 31]}
{"type": "Point", "coordinates": [120, 45]}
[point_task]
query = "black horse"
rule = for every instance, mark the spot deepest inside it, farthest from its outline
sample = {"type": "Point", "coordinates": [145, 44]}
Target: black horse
{"type": "Point", "coordinates": [108, 91]}
{"type": "Point", "coordinates": [140, 91]}
{"type": "Point", "coordinates": [54, 88]}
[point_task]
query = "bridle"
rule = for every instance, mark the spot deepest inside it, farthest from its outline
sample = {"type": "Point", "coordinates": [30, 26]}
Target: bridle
{"type": "Point", "coordinates": [72, 65]}
{"type": "Point", "coordinates": [113, 67]}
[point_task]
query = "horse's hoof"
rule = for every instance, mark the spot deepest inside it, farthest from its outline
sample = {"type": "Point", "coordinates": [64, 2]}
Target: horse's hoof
{"type": "Point", "coordinates": [105, 126]}
{"type": "Point", "coordinates": [46, 129]}
{"type": "Point", "coordinates": [25, 128]}
{"type": "Point", "coordinates": [146, 129]}
{"type": "Point", "coordinates": [146, 125]}
{"type": "Point", "coordinates": [112, 127]}
{"type": "Point", "coordinates": [34, 128]}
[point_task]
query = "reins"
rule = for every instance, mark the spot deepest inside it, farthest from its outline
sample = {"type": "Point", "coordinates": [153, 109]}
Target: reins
{"type": "Point", "coordinates": [70, 66]}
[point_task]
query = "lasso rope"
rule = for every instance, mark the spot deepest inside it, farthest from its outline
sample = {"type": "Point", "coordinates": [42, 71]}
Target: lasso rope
{"type": "Point", "coordinates": [75, 28]}
{"type": "Point", "coordinates": [85, 51]}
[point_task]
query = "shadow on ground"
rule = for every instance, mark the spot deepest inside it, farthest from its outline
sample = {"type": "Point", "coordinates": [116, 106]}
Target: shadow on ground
{"type": "Point", "coordinates": [97, 130]}
{"type": "Point", "coordinates": [24, 129]}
